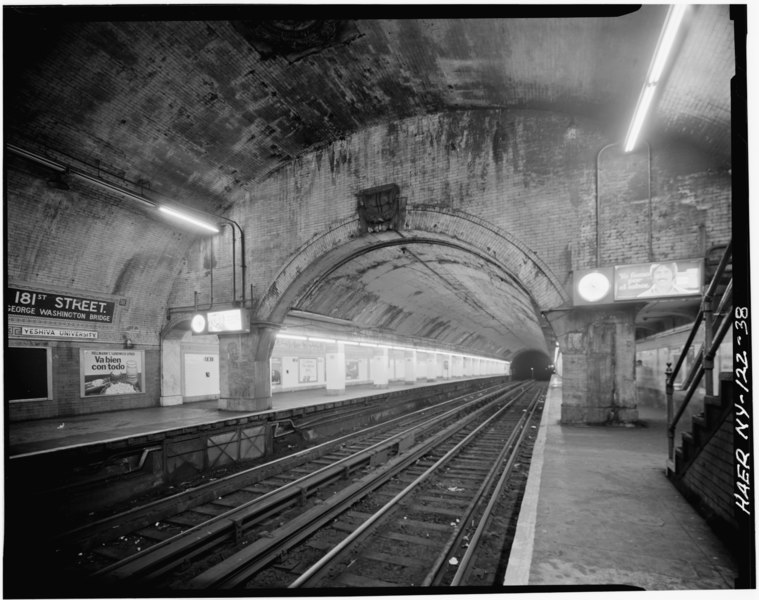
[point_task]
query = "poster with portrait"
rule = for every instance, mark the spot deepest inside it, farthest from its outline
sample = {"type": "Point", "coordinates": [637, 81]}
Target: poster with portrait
{"type": "Point", "coordinates": [667, 279]}
{"type": "Point", "coordinates": [112, 372]}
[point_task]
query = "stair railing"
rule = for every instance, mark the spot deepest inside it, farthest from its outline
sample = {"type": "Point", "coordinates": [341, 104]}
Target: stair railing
{"type": "Point", "coordinates": [716, 325]}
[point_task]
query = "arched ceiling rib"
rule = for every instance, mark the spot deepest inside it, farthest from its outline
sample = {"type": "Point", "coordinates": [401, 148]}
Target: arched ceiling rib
{"type": "Point", "coordinates": [432, 292]}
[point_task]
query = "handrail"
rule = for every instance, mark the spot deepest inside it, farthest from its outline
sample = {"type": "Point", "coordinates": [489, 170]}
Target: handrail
{"type": "Point", "coordinates": [704, 362]}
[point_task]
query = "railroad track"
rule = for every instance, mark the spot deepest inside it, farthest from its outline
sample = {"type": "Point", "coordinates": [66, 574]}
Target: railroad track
{"type": "Point", "coordinates": [425, 526]}
{"type": "Point", "coordinates": [196, 521]}
{"type": "Point", "coordinates": [249, 546]}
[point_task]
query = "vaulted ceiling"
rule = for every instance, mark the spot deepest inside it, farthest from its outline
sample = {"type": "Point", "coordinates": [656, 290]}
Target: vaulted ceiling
{"type": "Point", "coordinates": [202, 102]}
{"type": "Point", "coordinates": [207, 101]}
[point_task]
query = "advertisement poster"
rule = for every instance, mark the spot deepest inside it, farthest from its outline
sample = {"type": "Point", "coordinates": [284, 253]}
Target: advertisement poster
{"type": "Point", "coordinates": [658, 280]}
{"type": "Point", "coordinates": [112, 372]}
{"type": "Point", "coordinates": [276, 371]}
{"type": "Point", "coordinates": [351, 369]}
{"type": "Point", "coordinates": [307, 371]}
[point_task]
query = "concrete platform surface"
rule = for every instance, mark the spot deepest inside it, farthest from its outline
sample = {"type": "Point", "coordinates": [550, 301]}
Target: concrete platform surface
{"type": "Point", "coordinates": [43, 435]}
{"type": "Point", "coordinates": [599, 510]}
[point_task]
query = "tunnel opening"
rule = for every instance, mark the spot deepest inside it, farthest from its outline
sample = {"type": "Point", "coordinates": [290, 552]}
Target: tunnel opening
{"type": "Point", "coordinates": [532, 364]}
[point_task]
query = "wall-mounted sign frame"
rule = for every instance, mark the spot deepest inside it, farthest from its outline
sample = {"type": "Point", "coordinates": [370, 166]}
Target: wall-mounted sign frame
{"type": "Point", "coordinates": [666, 279]}
{"type": "Point", "coordinates": [641, 282]}
{"type": "Point", "coordinates": [48, 305]}
{"type": "Point", "coordinates": [307, 370]}
{"type": "Point", "coordinates": [234, 320]}
{"type": "Point", "coordinates": [111, 372]}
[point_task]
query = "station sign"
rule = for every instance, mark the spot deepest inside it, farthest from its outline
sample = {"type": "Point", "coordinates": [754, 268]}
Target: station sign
{"type": "Point", "coordinates": [640, 282]}
{"type": "Point", "coordinates": [235, 320]}
{"type": "Point", "coordinates": [56, 332]}
{"type": "Point", "coordinates": [28, 303]}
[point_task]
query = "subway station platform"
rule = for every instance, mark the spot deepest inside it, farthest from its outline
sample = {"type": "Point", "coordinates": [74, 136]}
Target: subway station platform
{"type": "Point", "coordinates": [599, 510]}
{"type": "Point", "coordinates": [45, 435]}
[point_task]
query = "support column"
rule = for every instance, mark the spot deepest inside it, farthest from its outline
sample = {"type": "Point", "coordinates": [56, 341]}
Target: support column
{"type": "Point", "coordinates": [598, 363]}
{"type": "Point", "coordinates": [379, 368]}
{"type": "Point", "coordinates": [245, 370]}
{"type": "Point", "coordinates": [431, 367]}
{"type": "Point", "coordinates": [171, 372]}
{"type": "Point", "coordinates": [409, 367]}
{"type": "Point", "coordinates": [335, 370]}
{"type": "Point", "coordinates": [421, 368]}
{"type": "Point", "coordinates": [458, 366]}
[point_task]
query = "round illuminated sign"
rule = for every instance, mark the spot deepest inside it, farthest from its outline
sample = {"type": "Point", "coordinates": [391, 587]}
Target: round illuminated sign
{"type": "Point", "coordinates": [198, 323]}
{"type": "Point", "coordinates": [593, 286]}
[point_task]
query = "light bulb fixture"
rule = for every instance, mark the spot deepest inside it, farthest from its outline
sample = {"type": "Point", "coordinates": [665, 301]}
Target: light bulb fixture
{"type": "Point", "coordinates": [189, 219]}
{"type": "Point", "coordinates": [663, 48]}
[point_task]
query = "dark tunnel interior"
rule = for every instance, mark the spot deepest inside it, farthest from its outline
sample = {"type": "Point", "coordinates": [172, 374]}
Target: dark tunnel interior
{"type": "Point", "coordinates": [532, 364]}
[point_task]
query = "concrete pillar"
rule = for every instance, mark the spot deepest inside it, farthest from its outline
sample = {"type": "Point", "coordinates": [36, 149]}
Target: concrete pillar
{"type": "Point", "coordinates": [245, 370]}
{"type": "Point", "coordinates": [431, 367]}
{"type": "Point", "coordinates": [335, 370]}
{"type": "Point", "coordinates": [409, 367]}
{"type": "Point", "coordinates": [598, 364]}
{"type": "Point", "coordinates": [458, 366]}
{"type": "Point", "coordinates": [171, 372]}
{"type": "Point", "coordinates": [421, 368]}
{"type": "Point", "coordinates": [379, 368]}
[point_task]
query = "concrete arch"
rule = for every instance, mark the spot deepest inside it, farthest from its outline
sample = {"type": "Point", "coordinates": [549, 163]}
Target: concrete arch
{"type": "Point", "coordinates": [433, 225]}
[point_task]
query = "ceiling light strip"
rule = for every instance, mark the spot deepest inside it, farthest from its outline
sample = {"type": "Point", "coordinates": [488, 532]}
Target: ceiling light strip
{"type": "Point", "coordinates": [187, 218]}
{"type": "Point", "coordinates": [367, 344]}
{"type": "Point", "coordinates": [663, 48]}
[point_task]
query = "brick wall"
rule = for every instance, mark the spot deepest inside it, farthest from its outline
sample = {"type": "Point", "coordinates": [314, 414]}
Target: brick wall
{"type": "Point", "coordinates": [85, 243]}
{"type": "Point", "coordinates": [709, 480]}
{"type": "Point", "coordinates": [520, 172]}
{"type": "Point", "coordinates": [66, 399]}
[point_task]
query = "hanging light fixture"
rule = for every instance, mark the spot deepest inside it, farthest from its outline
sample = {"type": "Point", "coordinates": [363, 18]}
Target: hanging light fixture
{"type": "Point", "coordinates": [663, 48]}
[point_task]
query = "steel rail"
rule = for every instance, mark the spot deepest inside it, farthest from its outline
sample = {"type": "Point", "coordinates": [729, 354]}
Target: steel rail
{"type": "Point", "coordinates": [322, 564]}
{"type": "Point", "coordinates": [249, 561]}
{"type": "Point", "coordinates": [507, 452]}
{"type": "Point", "coordinates": [468, 559]}
{"type": "Point", "coordinates": [157, 559]}
{"type": "Point", "coordinates": [123, 522]}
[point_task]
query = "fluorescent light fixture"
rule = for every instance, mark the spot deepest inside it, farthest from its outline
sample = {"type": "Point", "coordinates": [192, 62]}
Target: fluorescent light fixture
{"type": "Point", "coordinates": [322, 340]}
{"type": "Point", "coordinates": [640, 116]}
{"type": "Point", "coordinates": [663, 48]}
{"type": "Point", "coordinates": [288, 336]}
{"type": "Point", "coordinates": [667, 40]}
{"type": "Point", "coordinates": [184, 217]}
